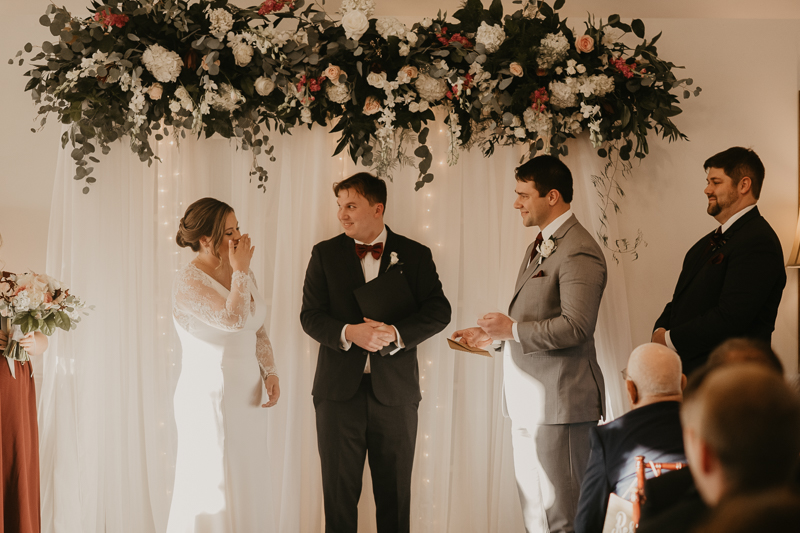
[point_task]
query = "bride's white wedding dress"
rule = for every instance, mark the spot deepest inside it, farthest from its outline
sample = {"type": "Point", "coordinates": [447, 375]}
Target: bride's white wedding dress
{"type": "Point", "coordinates": [222, 480]}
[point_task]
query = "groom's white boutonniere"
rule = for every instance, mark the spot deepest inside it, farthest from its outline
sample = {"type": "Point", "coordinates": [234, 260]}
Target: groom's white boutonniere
{"type": "Point", "coordinates": [546, 249]}
{"type": "Point", "coordinates": [393, 260]}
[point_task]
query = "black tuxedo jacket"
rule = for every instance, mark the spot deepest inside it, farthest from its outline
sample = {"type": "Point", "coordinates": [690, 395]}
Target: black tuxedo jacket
{"type": "Point", "coordinates": [653, 431]}
{"type": "Point", "coordinates": [334, 272]}
{"type": "Point", "coordinates": [733, 291]}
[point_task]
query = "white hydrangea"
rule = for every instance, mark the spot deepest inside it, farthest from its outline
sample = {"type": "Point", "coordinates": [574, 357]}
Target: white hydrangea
{"type": "Point", "coordinates": [405, 49]}
{"type": "Point", "coordinates": [597, 85]}
{"type": "Point", "coordinates": [564, 94]}
{"type": "Point", "coordinates": [552, 49]}
{"type": "Point", "coordinates": [491, 37]}
{"type": "Point", "coordinates": [390, 27]}
{"type": "Point", "coordinates": [163, 64]}
{"type": "Point", "coordinates": [337, 93]}
{"type": "Point", "coordinates": [539, 122]}
{"type": "Point", "coordinates": [431, 89]}
{"type": "Point", "coordinates": [365, 6]}
{"type": "Point", "coordinates": [221, 21]}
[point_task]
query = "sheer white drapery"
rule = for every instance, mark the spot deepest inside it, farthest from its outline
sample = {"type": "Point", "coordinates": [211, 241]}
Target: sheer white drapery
{"type": "Point", "coordinates": [106, 426]}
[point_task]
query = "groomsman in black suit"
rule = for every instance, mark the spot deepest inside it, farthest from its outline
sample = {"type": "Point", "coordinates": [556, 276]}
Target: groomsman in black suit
{"type": "Point", "coordinates": [733, 278]}
{"type": "Point", "coordinates": [365, 401]}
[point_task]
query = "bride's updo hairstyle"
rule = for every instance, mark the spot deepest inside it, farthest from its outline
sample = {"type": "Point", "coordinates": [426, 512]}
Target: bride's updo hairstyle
{"type": "Point", "coordinates": [204, 218]}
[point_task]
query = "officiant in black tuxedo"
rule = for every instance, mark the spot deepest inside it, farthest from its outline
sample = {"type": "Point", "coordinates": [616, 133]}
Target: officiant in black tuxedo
{"type": "Point", "coordinates": [733, 278]}
{"type": "Point", "coordinates": [365, 401]}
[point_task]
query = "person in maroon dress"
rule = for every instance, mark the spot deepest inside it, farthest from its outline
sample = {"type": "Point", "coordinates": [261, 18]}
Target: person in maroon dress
{"type": "Point", "coordinates": [19, 434]}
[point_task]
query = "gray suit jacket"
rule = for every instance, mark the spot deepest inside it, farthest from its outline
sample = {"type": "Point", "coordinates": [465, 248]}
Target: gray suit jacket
{"type": "Point", "coordinates": [556, 313]}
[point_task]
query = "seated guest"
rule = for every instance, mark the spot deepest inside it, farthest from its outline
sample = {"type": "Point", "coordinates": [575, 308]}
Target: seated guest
{"type": "Point", "coordinates": [741, 428]}
{"type": "Point", "coordinates": [773, 511]}
{"type": "Point", "coordinates": [652, 428]}
{"type": "Point", "coordinates": [745, 350]}
{"type": "Point", "coordinates": [674, 494]}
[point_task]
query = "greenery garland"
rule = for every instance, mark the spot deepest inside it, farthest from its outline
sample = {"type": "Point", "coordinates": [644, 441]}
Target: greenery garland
{"type": "Point", "coordinates": [156, 68]}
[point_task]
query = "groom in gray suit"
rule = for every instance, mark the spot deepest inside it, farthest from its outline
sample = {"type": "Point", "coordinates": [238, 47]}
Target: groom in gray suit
{"type": "Point", "coordinates": [553, 387]}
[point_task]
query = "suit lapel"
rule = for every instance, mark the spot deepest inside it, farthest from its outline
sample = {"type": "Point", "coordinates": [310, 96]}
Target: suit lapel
{"type": "Point", "coordinates": [387, 251]}
{"type": "Point", "coordinates": [703, 255]}
{"type": "Point", "coordinates": [526, 273]}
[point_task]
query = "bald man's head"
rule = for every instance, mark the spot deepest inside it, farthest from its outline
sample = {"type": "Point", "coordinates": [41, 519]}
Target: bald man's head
{"type": "Point", "coordinates": [655, 370]}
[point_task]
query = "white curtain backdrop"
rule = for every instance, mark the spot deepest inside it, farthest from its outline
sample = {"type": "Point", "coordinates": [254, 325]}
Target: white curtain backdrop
{"type": "Point", "coordinates": [107, 431]}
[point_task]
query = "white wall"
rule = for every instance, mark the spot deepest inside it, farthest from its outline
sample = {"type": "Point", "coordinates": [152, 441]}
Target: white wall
{"type": "Point", "coordinates": [749, 73]}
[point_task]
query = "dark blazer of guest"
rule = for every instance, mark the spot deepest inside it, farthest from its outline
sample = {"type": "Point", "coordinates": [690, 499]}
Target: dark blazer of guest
{"type": "Point", "coordinates": [724, 291]}
{"type": "Point", "coordinates": [653, 431]}
{"type": "Point", "coordinates": [334, 272]}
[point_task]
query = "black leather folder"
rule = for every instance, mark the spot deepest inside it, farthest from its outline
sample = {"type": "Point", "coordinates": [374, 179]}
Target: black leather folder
{"type": "Point", "coordinates": [387, 298]}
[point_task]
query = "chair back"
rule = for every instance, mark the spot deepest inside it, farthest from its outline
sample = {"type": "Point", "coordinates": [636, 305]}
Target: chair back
{"type": "Point", "coordinates": [638, 497]}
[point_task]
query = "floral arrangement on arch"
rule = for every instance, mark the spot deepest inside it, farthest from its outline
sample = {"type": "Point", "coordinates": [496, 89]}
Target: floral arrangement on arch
{"type": "Point", "coordinates": [149, 69]}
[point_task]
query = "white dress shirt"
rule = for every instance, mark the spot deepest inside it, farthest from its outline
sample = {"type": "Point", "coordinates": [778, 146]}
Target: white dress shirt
{"type": "Point", "coordinates": [371, 268]}
{"type": "Point", "coordinates": [725, 227]}
{"type": "Point", "coordinates": [547, 232]}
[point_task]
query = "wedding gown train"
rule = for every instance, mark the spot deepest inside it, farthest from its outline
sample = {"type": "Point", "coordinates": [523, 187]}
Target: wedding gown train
{"type": "Point", "coordinates": [222, 480]}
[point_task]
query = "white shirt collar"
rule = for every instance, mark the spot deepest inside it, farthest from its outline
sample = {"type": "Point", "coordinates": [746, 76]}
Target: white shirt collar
{"type": "Point", "coordinates": [552, 227]}
{"type": "Point", "coordinates": [727, 225]}
{"type": "Point", "coordinates": [380, 238]}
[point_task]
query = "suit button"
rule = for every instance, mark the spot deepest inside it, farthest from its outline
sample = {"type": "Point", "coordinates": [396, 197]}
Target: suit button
{"type": "Point", "coordinates": [365, 352]}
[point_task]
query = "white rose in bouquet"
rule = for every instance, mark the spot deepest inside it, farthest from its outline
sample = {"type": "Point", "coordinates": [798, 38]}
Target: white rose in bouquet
{"type": "Point", "coordinates": [163, 64]}
{"type": "Point", "coordinates": [242, 53]}
{"type": "Point", "coordinates": [377, 79]}
{"type": "Point", "coordinates": [264, 86]}
{"type": "Point", "coordinates": [355, 24]}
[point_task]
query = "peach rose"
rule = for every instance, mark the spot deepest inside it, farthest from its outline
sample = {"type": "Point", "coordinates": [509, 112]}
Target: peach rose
{"type": "Point", "coordinates": [585, 43]}
{"type": "Point", "coordinates": [332, 73]}
{"type": "Point", "coordinates": [516, 69]}
{"type": "Point", "coordinates": [407, 73]}
{"type": "Point", "coordinates": [410, 71]}
{"type": "Point", "coordinates": [372, 105]}
{"type": "Point", "coordinates": [155, 91]}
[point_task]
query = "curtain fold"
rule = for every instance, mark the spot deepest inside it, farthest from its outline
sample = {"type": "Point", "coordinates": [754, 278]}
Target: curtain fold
{"type": "Point", "coordinates": [107, 430]}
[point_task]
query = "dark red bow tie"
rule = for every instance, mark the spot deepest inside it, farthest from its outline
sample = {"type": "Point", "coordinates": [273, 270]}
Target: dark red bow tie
{"type": "Point", "coordinates": [375, 249]}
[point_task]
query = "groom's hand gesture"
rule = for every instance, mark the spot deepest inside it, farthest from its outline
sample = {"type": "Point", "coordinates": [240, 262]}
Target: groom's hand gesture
{"type": "Point", "coordinates": [370, 335]}
{"type": "Point", "coordinates": [472, 337]}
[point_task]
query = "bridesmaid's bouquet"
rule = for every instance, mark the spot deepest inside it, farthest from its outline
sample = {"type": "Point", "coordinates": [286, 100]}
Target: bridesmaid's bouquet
{"type": "Point", "coordinates": [35, 302]}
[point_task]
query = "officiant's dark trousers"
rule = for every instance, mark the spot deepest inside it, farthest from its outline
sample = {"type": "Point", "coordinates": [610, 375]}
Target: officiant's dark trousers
{"type": "Point", "coordinates": [348, 433]}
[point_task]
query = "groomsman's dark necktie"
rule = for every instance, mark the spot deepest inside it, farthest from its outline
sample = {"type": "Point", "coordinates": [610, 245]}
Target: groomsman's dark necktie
{"type": "Point", "coordinates": [536, 243]}
{"type": "Point", "coordinates": [363, 249]}
{"type": "Point", "coordinates": [716, 239]}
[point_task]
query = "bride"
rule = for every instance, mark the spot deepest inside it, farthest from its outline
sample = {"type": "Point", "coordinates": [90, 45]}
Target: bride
{"type": "Point", "coordinates": [221, 473]}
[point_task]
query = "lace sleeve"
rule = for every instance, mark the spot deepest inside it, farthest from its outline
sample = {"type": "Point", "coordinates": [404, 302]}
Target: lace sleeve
{"type": "Point", "coordinates": [194, 295]}
{"type": "Point", "coordinates": [266, 359]}
{"type": "Point", "coordinates": [264, 354]}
